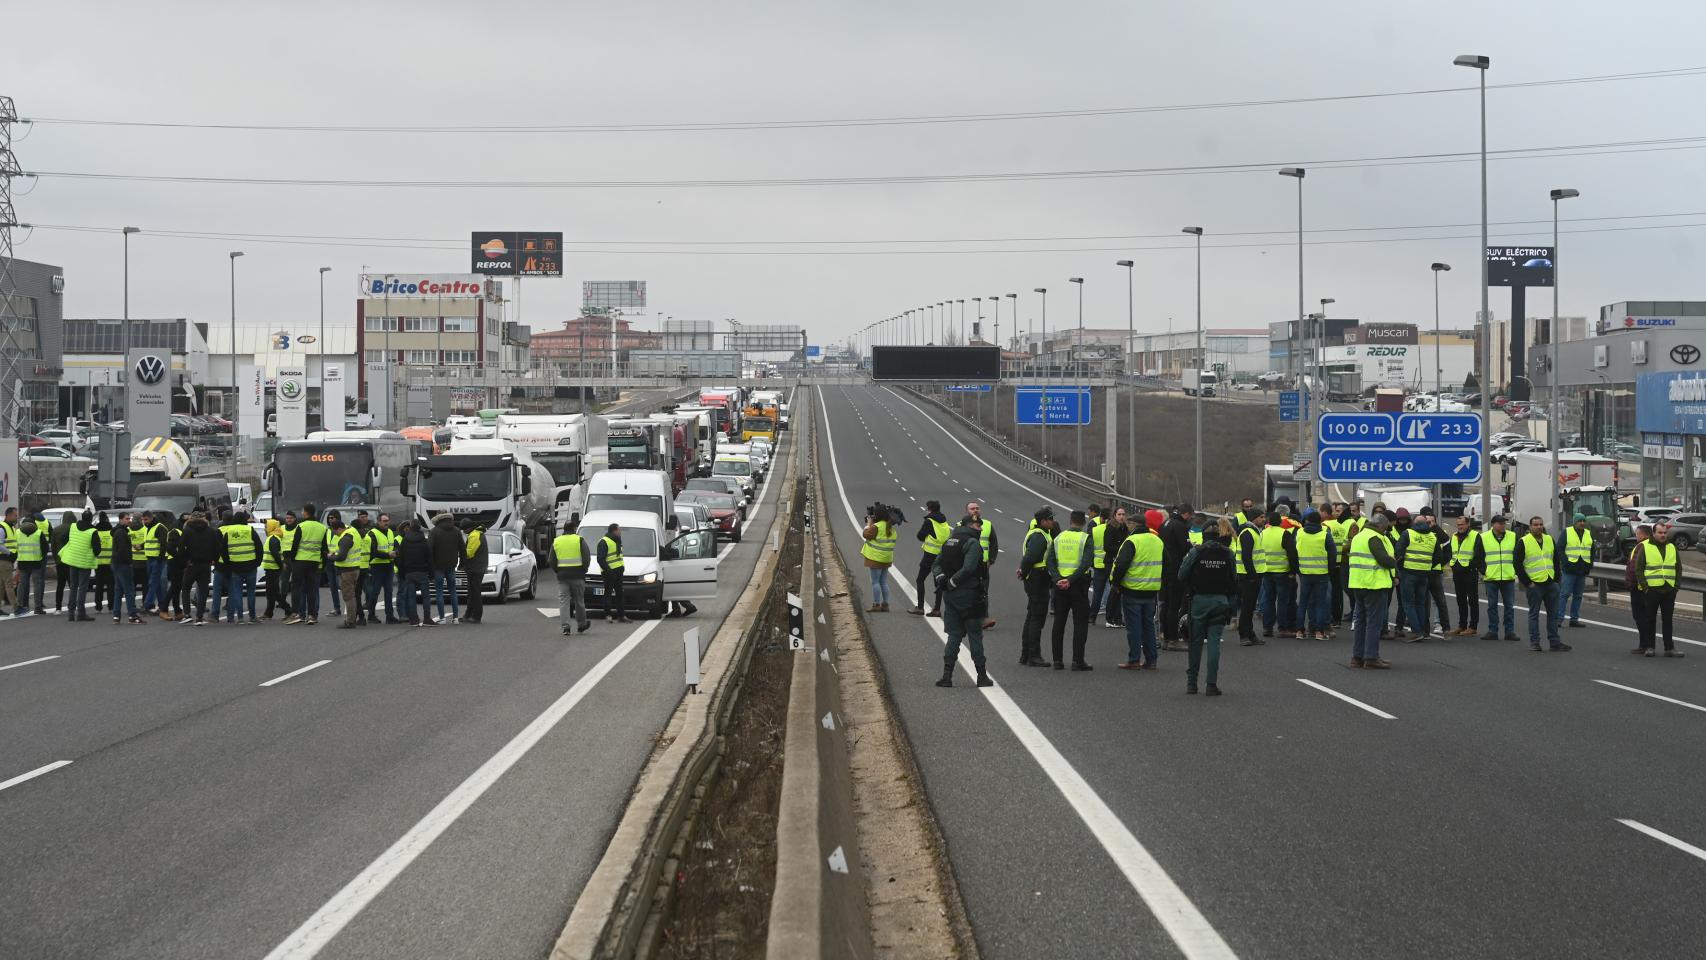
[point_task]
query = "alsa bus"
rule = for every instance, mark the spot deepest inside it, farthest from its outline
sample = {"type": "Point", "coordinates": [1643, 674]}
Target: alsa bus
{"type": "Point", "coordinates": [346, 470]}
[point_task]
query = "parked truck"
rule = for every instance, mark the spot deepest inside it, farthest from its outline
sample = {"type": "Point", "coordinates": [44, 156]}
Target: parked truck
{"type": "Point", "coordinates": [571, 447]}
{"type": "Point", "coordinates": [646, 444]}
{"type": "Point", "coordinates": [151, 461]}
{"type": "Point", "coordinates": [1199, 382]}
{"type": "Point", "coordinates": [489, 482]}
{"type": "Point", "coordinates": [1344, 386]}
{"type": "Point", "coordinates": [1586, 484]}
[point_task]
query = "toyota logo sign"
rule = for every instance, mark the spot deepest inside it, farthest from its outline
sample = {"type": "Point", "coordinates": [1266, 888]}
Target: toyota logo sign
{"type": "Point", "coordinates": [1685, 353]}
{"type": "Point", "coordinates": [150, 369]}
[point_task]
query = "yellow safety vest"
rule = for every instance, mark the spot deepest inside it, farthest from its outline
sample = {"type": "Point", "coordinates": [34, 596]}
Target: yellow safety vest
{"type": "Point", "coordinates": [1195, 537]}
{"type": "Point", "coordinates": [79, 549]}
{"type": "Point", "coordinates": [311, 540]}
{"type": "Point", "coordinates": [151, 541]}
{"type": "Point", "coordinates": [1659, 567]}
{"type": "Point", "coordinates": [239, 542]}
{"type": "Point", "coordinates": [11, 536]}
{"type": "Point", "coordinates": [1420, 555]}
{"type": "Point", "coordinates": [1463, 548]}
{"type": "Point", "coordinates": [613, 553]}
{"type": "Point", "coordinates": [1366, 573]}
{"type": "Point", "coordinates": [881, 547]}
{"type": "Point", "coordinates": [1048, 541]}
{"type": "Point", "coordinates": [1144, 573]}
{"type": "Point", "coordinates": [287, 539]}
{"type": "Point", "coordinates": [1255, 542]}
{"type": "Point", "coordinates": [106, 557]}
{"type": "Point", "coordinates": [1069, 551]}
{"type": "Point", "coordinates": [267, 562]}
{"type": "Point", "coordinates": [29, 546]}
{"type": "Point", "coordinates": [1500, 556]}
{"type": "Point", "coordinates": [1539, 563]}
{"type": "Point", "coordinates": [1578, 545]}
{"type": "Point", "coordinates": [570, 550]}
{"type": "Point", "coordinates": [473, 545]}
{"type": "Point", "coordinates": [356, 546]}
{"type": "Point", "coordinates": [938, 535]}
{"type": "Point", "coordinates": [384, 545]}
{"type": "Point", "coordinates": [1098, 541]}
{"type": "Point", "coordinates": [1312, 553]}
{"type": "Point", "coordinates": [1274, 559]}
{"type": "Point", "coordinates": [138, 544]}
{"type": "Point", "coordinates": [983, 537]}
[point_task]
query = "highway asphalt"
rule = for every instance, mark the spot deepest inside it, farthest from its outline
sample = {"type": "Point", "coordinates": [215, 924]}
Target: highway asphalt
{"type": "Point", "coordinates": [1476, 800]}
{"type": "Point", "coordinates": [429, 792]}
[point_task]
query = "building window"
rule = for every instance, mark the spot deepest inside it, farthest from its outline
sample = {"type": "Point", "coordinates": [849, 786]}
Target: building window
{"type": "Point", "coordinates": [375, 356]}
{"type": "Point", "coordinates": [420, 324]}
{"type": "Point", "coordinates": [491, 356]}
{"type": "Point", "coordinates": [382, 324]}
{"type": "Point", "coordinates": [461, 357]}
{"type": "Point", "coordinates": [422, 358]}
{"type": "Point", "coordinates": [459, 325]}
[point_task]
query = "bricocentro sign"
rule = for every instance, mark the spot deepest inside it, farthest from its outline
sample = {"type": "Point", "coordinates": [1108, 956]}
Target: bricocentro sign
{"type": "Point", "coordinates": [423, 285]}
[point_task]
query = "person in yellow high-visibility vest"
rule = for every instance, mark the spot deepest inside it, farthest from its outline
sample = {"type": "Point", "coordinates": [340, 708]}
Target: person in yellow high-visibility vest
{"type": "Point", "coordinates": [1135, 575]}
{"type": "Point", "coordinates": [1495, 558]}
{"type": "Point", "coordinates": [1070, 571]}
{"type": "Point", "coordinates": [933, 531]}
{"type": "Point", "coordinates": [991, 545]}
{"type": "Point", "coordinates": [570, 556]}
{"type": "Point", "coordinates": [1248, 565]}
{"type": "Point", "coordinates": [1537, 562]}
{"type": "Point", "coordinates": [1653, 570]}
{"type": "Point", "coordinates": [878, 554]}
{"type": "Point", "coordinates": [1033, 572]}
{"type": "Point", "coordinates": [1578, 566]}
{"type": "Point", "coordinates": [1370, 563]}
{"type": "Point", "coordinates": [1279, 578]}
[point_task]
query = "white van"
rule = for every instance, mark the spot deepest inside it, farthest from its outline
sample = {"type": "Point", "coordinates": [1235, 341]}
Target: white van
{"type": "Point", "coordinates": [647, 490]}
{"type": "Point", "coordinates": [658, 567]}
{"type": "Point", "coordinates": [738, 466]}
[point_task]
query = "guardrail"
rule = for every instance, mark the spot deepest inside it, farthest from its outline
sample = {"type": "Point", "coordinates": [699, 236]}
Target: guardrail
{"type": "Point", "coordinates": [1605, 574]}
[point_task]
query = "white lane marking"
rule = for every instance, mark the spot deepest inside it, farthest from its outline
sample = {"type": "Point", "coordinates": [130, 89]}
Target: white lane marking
{"type": "Point", "coordinates": [950, 436]}
{"type": "Point", "coordinates": [318, 930]}
{"type": "Point", "coordinates": [1382, 714]}
{"type": "Point", "coordinates": [25, 663]}
{"type": "Point", "coordinates": [1664, 837]}
{"type": "Point", "coordinates": [1655, 696]}
{"type": "Point", "coordinates": [20, 778]}
{"type": "Point", "coordinates": [296, 672]}
{"type": "Point", "coordinates": [549, 611]}
{"type": "Point", "coordinates": [1482, 599]}
{"type": "Point", "coordinates": [1190, 930]}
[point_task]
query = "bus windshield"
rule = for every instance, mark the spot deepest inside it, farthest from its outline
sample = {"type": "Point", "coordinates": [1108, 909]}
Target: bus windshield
{"type": "Point", "coordinates": [331, 475]}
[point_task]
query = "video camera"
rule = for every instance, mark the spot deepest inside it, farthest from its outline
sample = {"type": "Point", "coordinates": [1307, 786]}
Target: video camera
{"type": "Point", "coordinates": [882, 511]}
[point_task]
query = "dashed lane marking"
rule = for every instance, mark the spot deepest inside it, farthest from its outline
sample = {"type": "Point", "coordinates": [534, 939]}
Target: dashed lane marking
{"type": "Point", "coordinates": [25, 663]}
{"type": "Point", "coordinates": [1350, 700]}
{"type": "Point", "coordinates": [20, 778]}
{"type": "Point", "coordinates": [1663, 837]}
{"type": "Point", "coordinates": [1655, 696]}
{"type": "Point", "coordinates": [296, 673]}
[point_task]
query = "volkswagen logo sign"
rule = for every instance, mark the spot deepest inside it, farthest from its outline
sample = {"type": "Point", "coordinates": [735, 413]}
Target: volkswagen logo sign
{"type": "Point", "coordinates": [150, 369]}
{"type": "Point", "coordinates": [290, 388]}
{"type": "Point", "coordinates": [1685, 353]}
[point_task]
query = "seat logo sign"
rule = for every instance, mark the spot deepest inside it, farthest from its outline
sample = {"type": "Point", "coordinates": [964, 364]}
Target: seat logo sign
{"type": "Point", "coordinates": [1685, 353]}
{"type": "Point", "coordinates": [290, 389]}
{"type": "Point", "coordinates": [150, 369]}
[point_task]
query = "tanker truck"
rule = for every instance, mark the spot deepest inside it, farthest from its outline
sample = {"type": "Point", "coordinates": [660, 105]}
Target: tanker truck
{"type": "Point", "coordinates": [489, 482]}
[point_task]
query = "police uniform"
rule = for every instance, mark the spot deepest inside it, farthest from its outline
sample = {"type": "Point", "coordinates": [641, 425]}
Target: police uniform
{"type": "Point", "coordinates": [958, 573]}
{"type": "Point", "coordinates": [1209, 571]}
{"type": "Point", "coordinates": [1033, 570]}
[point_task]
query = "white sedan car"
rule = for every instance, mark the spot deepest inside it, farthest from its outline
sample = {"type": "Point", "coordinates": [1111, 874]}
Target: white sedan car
{"type": "Point", "coordinates": [58, 454]}
{"type": "Point", "coordinates": [512, 571]}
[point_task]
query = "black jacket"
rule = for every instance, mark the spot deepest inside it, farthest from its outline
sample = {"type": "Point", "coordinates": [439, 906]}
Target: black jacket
{"type": "Point", "coordinates": [475, 566]}
{"type": "Point", "coordinates": [199, 543]}
{"type": "Point", "coordinates": [414, 554]}
{"type": "Point", "coordinates": [1175, 542]}
{"type": "Point", "coordinates": [446, 543]}
{"type": "Point", "coordinates": [121, 545]}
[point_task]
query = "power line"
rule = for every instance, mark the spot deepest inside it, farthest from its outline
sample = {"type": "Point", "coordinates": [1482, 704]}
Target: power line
{"type": "Point", "coordinates": [681, 127]}
{"type": "Point", "coordinates": [1516, 153]}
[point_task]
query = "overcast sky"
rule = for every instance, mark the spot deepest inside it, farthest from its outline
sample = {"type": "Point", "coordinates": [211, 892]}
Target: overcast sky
{"type": "Point", "coordinates": [671, 63]}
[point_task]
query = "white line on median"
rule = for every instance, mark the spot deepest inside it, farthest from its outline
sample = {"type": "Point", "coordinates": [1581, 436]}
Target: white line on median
{"type": "Point", "coordinates": [20, 778]}
{"type": "Point", "coordinates": [1195, 936]}
{"type": "Point", "coordinates": [1664, 837]}
{"type": "Point", "coordinates": [296, 672]}
{"type": "Point", "coordinates": [1350, 700]}
{"type": "Point", "coordinates": [1655, 696]}
{"type": "Point", "coordinates": [25, 663]}
{"type": "Point", "coordinates": [318, 930]}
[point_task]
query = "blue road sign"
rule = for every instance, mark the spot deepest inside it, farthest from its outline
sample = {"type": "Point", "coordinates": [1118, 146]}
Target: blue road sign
{"type": "Point", "coordinates": [1409, 465]}
{"type": "Point", "coordinates": [1293, 405]}
{"type": "Point", "coordinates": [1067, 406]}
{"type": "Point", "coordinates": [1356, 429]}
{"type": "Point", "coordinates": [968, 387]}
{"type": "Point", "coordinates": [1439, 429]}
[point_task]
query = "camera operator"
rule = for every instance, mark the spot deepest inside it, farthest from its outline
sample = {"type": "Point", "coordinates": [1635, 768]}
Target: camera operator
{"type": "Point", "coordinates": [878, 551]}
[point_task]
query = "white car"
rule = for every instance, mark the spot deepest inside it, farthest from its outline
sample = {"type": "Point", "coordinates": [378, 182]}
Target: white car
{"type": "Point", "coordinates": [1507, 453]}
{"type": "Point", "coordinates": [57, 454]}
{"type": "Point", "coordinates": [736, 465]}
{"type": "Point", "coordinates": [64, 439]}
{"type": "Point", "coordinates": [511, 571]}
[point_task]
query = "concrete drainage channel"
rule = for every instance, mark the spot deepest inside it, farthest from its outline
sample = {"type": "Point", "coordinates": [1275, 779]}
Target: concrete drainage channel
{"type": "Point", "coordinates": [742, 837]}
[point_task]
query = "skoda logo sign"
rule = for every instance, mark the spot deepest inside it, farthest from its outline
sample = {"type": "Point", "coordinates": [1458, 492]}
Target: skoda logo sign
{"type": "Point", "coordinates": [150, 369]}
{"type": "Point", "coordinates": [290, 389]}
{"type": "Point", "coordinates": [1685, 353]}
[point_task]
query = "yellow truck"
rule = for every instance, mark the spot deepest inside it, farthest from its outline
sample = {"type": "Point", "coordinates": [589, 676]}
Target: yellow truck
{"type": "Point", "coordinates": [759, 422]}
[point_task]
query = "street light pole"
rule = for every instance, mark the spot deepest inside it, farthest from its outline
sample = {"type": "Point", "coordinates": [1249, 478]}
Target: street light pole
{"type": "Point", "coordinates": [323, 272]}
{"type": "Point", "coordinates": [1044, 394]}
{"type": "Point", "coordinates": [1318, 360]}
{"type": "Point", "coordinates": [1078, 373]}
{"type": "Point", "coordinates": [1131, 388]}
{"type": "Point", "coordinates": [1302, 421]}
{"type": "Point", "coordinates": [124, 349]}
{"type": "Point", "coordinates": [1556, 414]}
{"type": "Point", "coordinates": [1198, 490]}
{"type": "Point", "coordinates": [1439, 370]}
{"type": "Point", "coordinates": [1481, 64]}
{"type": "Point", "coordinates": [233, 411]}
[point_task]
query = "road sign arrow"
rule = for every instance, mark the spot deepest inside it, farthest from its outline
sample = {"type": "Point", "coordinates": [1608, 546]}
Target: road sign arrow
{"type": "Point", "coordinates": [1463, 463]}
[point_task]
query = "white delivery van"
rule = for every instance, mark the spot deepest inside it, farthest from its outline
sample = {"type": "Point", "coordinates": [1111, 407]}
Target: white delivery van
{"type": "Point", "coordinates": [645, 490]}
{"type": "Point", "coordinates": [738, 466]}
{"type": "Point", "coordinates": [658, 567]}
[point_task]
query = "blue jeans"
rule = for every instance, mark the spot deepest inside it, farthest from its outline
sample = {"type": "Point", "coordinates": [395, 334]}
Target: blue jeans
{"type": "Point", "coordinates": [1370, 620]}
{"type": "Point", "coordinates": [880, 584]}
{"type": "Point", "coordinates": [1505, 589]}
{"type": "Point", "coordinates": [444, 582]}
{"type": "Point", "coordinates": [124, 588]}
{"type": "Point", "coordinates": [1414, 596]}
{"type": "Point", "coordinates": [414, 583]}
{"type": "Point", "coordinates": [1098, 592]}
{"type": "Point", "coordinates": [1539, 595]}
{"type": "Point", "coordinates": [218, 584]}
{"type": "Point", "coordinates": [36, 575]}
{"type": "Point", "coordinates": [1315, 607]}
{"type": "Point", "coordinates": [330, 576]}
{"type": "Point", "coordinates": [381, 578]}
{"type": "Point", "coordinates": [154, 590]}
{"type": "Point", "coordinates": [1278, 602]}
{"type": "Point", "coordinates": [1570, 590]}
{"type": "Point", "coordinates": [236, 584]}
{"type": "Point", "coordinates": [1138, 607]}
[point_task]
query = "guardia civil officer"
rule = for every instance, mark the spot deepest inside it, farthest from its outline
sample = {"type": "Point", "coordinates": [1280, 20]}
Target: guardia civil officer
{"type": "Point", "coordinates": [959, 573]}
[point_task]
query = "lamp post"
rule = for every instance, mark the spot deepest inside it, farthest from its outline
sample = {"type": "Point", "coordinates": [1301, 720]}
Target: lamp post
{"type": "Point", "coordinates": [1197, 232]}
{"type": "Point", "coordinates": [1131, 388]}
{"type": "Point", "coordinates": [1302, 422]}
{"type": "Point", "coordinates": [1078, 395]}
{"type": "Point", "coordinates": [233, 411]}
{"type": "Point", "coordinates": [1015, 311]}
{"type": "Point", "coordinates": [124, 348]}
{"type": "Point", "coordinates": [1481, 64]}
{"type": "Point", "coordinates": [1318, 358]}
{"type": "Point", "coordinates": [964, 338]}
{"type": "Point", "coordinates": [1044, 395]}
{"type": "Point", "coordinates": [323, 272]}
{"type": "Point", "coordinates": [1556, 414]}
{"type": "Point", "coordinates": [1439, 370]}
